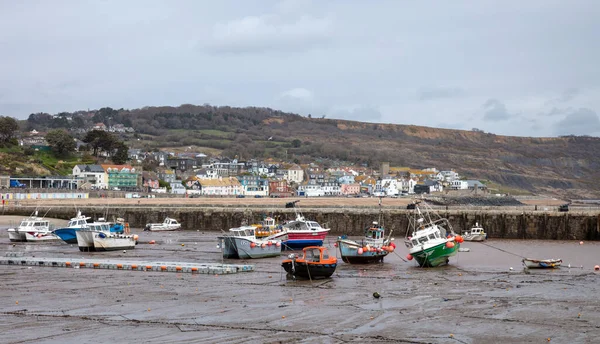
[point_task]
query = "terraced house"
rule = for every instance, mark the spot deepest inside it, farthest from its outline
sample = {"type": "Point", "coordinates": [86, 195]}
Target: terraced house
{"type": "Point", "coordinates": [122, 177]}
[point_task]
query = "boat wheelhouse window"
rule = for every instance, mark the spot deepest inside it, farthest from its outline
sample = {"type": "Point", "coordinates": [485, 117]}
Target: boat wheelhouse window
{"type": "Point", "coordinates": [24, 224]}
{"type": "Point", "coordinates": [325, 254]}
{"type": "Point", "coordinates": [437, 235]}
{"type": "Point", "coordinates": [432, 236]}
{"type": "Point", "coordinates": [414, 241]}
{"type": "Point", "coordinates": [423, 240]}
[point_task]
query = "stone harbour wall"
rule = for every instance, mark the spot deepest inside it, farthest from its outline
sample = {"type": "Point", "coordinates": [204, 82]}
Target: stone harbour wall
{"type": "Point", "coordinates": [498, 223]}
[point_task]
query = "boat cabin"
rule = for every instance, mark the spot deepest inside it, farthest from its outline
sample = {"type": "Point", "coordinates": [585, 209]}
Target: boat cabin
{"type": "Point", "coordinates": [268, 223]}
{"type": "Point", "coordinates": [78, 222]}
{"type": "Point", "coordinates": [99, 226]}
{"type": "Point", "coordinates": [315, 254]}
{"type": "Point", "coordinates": [244, 231]}
{"type": "Point", "coordinates": [300, 224]}
{"type": "Point", "coordinates": [477, 230]}
{"type": "Point", "coordinates": [426, 233]}
{"type": "Point", "coordinates": [170, 221]}
{"type": "Point", "coordinates": [35, 224]}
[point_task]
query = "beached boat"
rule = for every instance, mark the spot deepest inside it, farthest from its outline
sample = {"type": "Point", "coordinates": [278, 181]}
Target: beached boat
{"type": "Point", "coordinates": [241, 242]}
{"type": "Point", "coordinates": [266, 227]}
{"type": "Point", "coordinates": [41, 236]}
{"type": "Point", "coordinates": [68, 234]}
{"type": "Point", "coordinates": [430, 238]}
{"type": "Point", "coordinates": [168, 224]}
{"type": "Point", "coordinates": [373, 247]}
{"type": "Point", "coordinates": [542, 263]}
{"type": "Point", "coordinates": [300, 232]}
{"type": "Point", "coordinates": [33, 225]}
{"type": "Point", "coordinates": [476, 233]}
{"type": "Point", "coordinates": [113, 241]}
{"type": "Point", "coordinates": [104, 236]}
{"type": "Point", "coordinates": [314, 263]}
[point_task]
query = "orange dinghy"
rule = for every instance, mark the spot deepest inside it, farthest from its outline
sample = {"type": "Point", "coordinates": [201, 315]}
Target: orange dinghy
{"type": "Point", "coordinates": [315, 263]}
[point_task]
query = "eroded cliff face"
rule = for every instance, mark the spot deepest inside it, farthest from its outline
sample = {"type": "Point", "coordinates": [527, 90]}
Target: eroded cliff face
{"type": "Point", "coordinates": [568, 167]}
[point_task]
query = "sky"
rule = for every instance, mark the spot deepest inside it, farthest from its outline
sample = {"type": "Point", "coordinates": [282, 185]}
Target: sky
{"type": "Point", "coordinates": [518, 68]}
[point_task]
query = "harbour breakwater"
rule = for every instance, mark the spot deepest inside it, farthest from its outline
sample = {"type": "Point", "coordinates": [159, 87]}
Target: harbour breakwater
{"type": "Point", "coordinates": [510, 223]}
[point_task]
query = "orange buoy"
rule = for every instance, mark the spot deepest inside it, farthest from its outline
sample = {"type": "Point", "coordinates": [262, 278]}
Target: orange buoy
{"type": "Point", "coordinates": [449, 244]}
{"type": "Point", "coordinates": [581, 243]}
{"type": "Point", "coordinates": [252, 245]}
{"type": "Point", "coordinates": [597, 267]}
{"type": "Point", "coordinates": [335, 244]}
{"type": "Point", "coordinates": [135, 237]}
{"type": "Point", "coordinates": [278, 244]}
{"type": "Point", "coordinates": [152, 242]}
{"type": "Point", "coordinates": [269, 243]}
{"type": "Point", "coordinates": [360, 250]}
{"type": "Point", "coordinates": [409, 256]}
{"type": "Point", "coordinates": [393, 245]}
{"type": "Point", "coordinates": [263, 245]}
{"type": "Point", "coordinates": [459, 239]}
{"type": "Point", "coordinates": [391, 248]}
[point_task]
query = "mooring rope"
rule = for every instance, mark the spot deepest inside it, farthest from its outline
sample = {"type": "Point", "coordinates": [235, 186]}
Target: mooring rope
{"type": "Point", "coordinates": [503, 250]}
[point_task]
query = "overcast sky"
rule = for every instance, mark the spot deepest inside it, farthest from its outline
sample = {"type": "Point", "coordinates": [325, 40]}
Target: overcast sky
{"type": "Point", "coordinates": [523, 68]}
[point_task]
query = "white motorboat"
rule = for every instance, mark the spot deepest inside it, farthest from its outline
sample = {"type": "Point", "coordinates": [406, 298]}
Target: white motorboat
{"type": "Point", "coordinates": [104, 236]}
{"type": "Point", "coordinates": [168, 224]}
{"type": "Point", "coordinates": [32, 224]}
{"type": "Point", "coordinates": [242, 243]}
{"type": "Point", "coordinates": [477, 233]}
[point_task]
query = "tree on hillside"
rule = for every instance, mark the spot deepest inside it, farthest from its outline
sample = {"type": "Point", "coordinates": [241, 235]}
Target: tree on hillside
{"type": "Point", "coordinates": [100, 140]}
{"type": "Point", "coordinates": [8, 131]}
{"type": "Point", "coordinates": [122, 154]}
{"type": "Point", "coordinates": [61, 143]}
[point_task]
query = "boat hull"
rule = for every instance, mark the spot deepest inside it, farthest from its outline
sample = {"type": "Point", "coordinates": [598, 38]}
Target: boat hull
{"type": "Point", "coordinates": [68, 235]}
{"type": "Point", "coordinates": [542, 264]}
{"type": "Point", "coordinates": [162, 228]}
{"type": "Point", "coordinates": [478, 237]}
{"type": "Point", "coordinates": [298, 241]}
{"type": "Point", "coordinates": [349, 254]}
{"type": "Point", "coordinates": [16, 236]}
{"type": "Point", "coordinates": [240, 248]}
{"type": "Point", "coordinates": [436, 255]}
{"type": "Point", "coordinates": [85, 240]}
{"type": "Point", "coordinates": [113, 242]}
{"type": "Point", "coordinates": [309, 271]}
{"type": "Point", "coordinates": [34, 237]}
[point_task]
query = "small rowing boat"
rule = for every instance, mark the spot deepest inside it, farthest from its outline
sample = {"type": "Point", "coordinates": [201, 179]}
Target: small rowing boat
{"type": "Point", "coordinates": [542, 263]}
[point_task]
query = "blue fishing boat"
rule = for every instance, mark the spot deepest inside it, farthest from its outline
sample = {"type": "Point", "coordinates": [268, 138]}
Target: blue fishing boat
{"type": "Point", "coordinates": [68, 234]}
{"type": "Point", "coordinates": [373, 247]}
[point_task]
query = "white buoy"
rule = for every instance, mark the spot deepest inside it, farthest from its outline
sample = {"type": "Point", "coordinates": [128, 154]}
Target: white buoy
{"type": "Point", "coordinates": [124, 251]}
{"type": "Point", "coordinates": [511, 269]}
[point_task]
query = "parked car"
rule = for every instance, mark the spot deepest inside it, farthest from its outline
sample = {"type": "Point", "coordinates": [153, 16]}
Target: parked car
{"type": "Point", "coordinates": [135, 195]}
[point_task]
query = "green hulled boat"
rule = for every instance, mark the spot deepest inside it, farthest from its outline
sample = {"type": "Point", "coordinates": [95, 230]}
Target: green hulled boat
{"type": "Point", "coordinates": [430, 238]}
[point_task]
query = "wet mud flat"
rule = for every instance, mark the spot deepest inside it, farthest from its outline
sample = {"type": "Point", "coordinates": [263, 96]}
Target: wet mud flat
{"type": "Point", "coordinates": [477, 299]}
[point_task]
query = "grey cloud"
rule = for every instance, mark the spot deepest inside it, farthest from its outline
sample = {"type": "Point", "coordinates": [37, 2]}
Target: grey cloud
{"type": "Point", "coordinates": [440, 92]}
{"type": "Point", "coordinates": [569, 94]}
{"type": "Point", "coordinates": [579, 122]}
{"type": "Point", "coordinates": [270, 33]}
{"type": "Point", "coordinates": [495, 110]}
